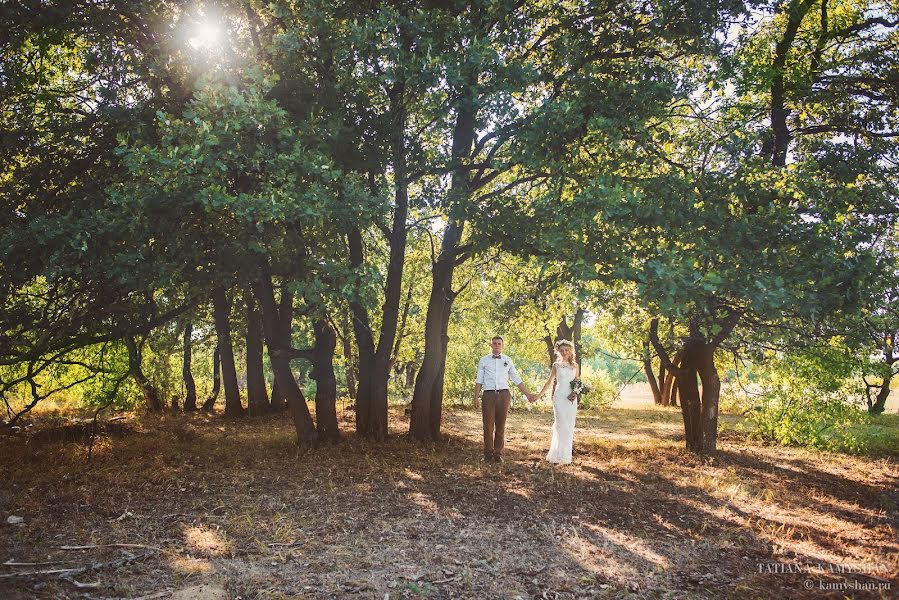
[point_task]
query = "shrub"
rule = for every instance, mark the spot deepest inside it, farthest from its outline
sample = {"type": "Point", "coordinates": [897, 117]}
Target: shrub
{"type": "Point", "coordinates": [602, 390]}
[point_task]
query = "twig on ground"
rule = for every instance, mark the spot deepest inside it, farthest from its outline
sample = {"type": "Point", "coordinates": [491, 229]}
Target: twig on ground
{"type": "Point", "coordinates": [79, 585]}
{"type": "Point", "coordinates": [66, 573]}
{"type": "Point", "coordinates": [94, 546]}
{"type": "Point", "coordinates": [284, 545]}
{"type": "Point", "coordinates": [11, 563]}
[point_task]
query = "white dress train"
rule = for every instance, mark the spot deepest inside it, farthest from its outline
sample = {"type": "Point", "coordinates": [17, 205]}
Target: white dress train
{"type": "Point", "coordinates": [565, 413]}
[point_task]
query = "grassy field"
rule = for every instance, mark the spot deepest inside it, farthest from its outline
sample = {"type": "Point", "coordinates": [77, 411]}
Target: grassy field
{"type": "Point", "coordinates": [201, 507]}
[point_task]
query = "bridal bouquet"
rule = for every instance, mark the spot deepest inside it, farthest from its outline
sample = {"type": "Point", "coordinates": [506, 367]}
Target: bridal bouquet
{"type": "Point", "coordinates": [579, 388]}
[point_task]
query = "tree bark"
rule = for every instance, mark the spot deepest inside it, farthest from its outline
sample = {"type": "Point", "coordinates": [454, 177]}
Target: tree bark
{"type": "Point", "coordinates": [276, 325]}
{"type": "Point", "coordinates": [669, 387]}
{"type": "Point", "coordinates": [550, 349]}
{"type": "Point", "coordinates": [151, 394]}
{"type": "Point", "coordinates": [711, 393]}
{"type": "Point", "coordinates": [257, 394]}
{"type": "Point", "coordinates": [375, 362]}
{"type": "Point", "coordinates": [428, 395]}
{"type": "Point", "coordinates": [221, 308]}
{"type": "Point", "coordinates": [190, 387]}
{"type": "Point", "coordinates": [410, 374]}
{"type": "Point", "coordinates": [650, 374]}
{"type": "Point", "coordinates": [691, 403]}
{"type": "Point", "coordinates": [325, 380]}
{"type": "Point", "coordinates": [878, 404]}
{"type": "Point", "coordinates": [278, 401]}
{"type": "Point", "coordinates": [781, 136]}
{"type": "Point", "coordinates": [365, 343]}
{"type": "Point", "coordinates": [349, 360]}
{"type": "Point", "coordinates": [564, 332]}
{"type": "Point", "coordinates": [572, 334]}
{"type": "Point", "coordinates": [216, 380]}
{"type": "Point", "coordinates": [427, 400]}
{"type": "Point", "coordinates": [699, 409]}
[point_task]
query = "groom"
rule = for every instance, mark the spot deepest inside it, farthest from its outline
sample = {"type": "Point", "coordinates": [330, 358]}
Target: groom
{"type": "Point", "coordinates": [494, 372]}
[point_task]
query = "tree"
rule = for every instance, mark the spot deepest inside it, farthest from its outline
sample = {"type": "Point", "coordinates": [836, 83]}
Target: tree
{"type": "Point", "coordinates": [579, 64]}
{"type": "Point", "coordinates": [780, 236]}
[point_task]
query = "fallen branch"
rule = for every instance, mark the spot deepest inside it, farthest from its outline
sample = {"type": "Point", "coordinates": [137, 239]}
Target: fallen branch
{"type": "Point", "coordinates": [68, 573]}
{"type": "Point", "coordinates": [284, 545]}
{"type": "Point", "coordinates": [94, 546]}
{"type": "Point", "coordinates": [11, 563]}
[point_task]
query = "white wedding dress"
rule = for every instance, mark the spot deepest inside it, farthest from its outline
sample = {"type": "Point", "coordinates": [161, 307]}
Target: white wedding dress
{"type": "Point", "coordinates": [565, 412]}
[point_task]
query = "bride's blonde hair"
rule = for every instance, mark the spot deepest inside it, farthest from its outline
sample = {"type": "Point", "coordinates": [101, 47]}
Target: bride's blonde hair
{"type": "Point", "coordinates": [558, 345]}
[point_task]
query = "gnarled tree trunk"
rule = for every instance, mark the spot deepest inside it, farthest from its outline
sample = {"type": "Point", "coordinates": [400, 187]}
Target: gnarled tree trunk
{"type": "Point", "coordinates": [322, 357]}
{"type": "Point", "coordinates": [216, 380]}
{"type": "Point", "coordinates": [650, 374]}
{"type": "Point", "coordinates": [257, 394]}
{"type": "Point", "coordinates": [221, 309]}
{"type": "Point", "coordinates": [276, 324]}
{"type": "Point", "coordinates": [190, 387]}
{"type": "Point", "coordinates": [427, 400]}
{"type": "Point", "coordinates": [151, 394]}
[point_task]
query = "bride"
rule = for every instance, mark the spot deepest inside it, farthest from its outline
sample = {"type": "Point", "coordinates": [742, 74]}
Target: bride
{"type": "Point", "coordinates": [564, 403]}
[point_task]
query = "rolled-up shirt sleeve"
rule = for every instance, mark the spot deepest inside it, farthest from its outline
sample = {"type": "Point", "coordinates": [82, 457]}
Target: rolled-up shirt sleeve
{"type": "Point", "coordinates": [513, 374]}
{"type": "Point", "coordinates": [480, 376]}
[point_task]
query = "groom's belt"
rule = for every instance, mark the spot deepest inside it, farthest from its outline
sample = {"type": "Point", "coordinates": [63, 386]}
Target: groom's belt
{"type": "Point", "coordinates": [497, 390]}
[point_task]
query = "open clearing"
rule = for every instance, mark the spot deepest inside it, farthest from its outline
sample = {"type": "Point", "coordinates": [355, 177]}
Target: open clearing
{"type": "Point", "coordinates": [212, 508]}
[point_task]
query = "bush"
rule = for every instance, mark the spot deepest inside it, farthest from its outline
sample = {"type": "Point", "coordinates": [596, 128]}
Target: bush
{"type": "Point", "coordinates": [801, 400]}
{"type": "Point", "coordinates": [602, 390]}
{"type": "Point", "coordinates": [815, 421]}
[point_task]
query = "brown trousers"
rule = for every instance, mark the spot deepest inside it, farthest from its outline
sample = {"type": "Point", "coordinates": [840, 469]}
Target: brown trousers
{"type": "Point", "coordinates": [494, 409]}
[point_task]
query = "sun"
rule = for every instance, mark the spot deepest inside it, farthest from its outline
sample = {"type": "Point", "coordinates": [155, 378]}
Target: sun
{"type": "Point", "coordinates": [206, 35]}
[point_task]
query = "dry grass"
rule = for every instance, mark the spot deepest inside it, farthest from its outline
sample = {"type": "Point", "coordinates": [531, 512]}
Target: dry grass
{"type": "Point", "coordinates": [232, 505]}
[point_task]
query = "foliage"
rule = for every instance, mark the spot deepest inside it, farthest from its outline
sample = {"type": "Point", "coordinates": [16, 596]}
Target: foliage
{"type": "Point", "coordinates": [603, 390]}
{"type": "Point", "coordinates": [803, 402]}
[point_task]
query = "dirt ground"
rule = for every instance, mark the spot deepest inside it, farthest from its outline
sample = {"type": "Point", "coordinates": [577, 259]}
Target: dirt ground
{"type": "Point", "coordinates": [202, 507]}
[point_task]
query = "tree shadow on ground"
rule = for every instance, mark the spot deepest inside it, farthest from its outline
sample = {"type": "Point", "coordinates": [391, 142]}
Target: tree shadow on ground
{"type": "Point", "coordinates": [362, 519]}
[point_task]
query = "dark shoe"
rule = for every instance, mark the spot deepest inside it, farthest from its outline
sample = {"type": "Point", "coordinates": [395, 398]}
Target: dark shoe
{"type": "Point", "coordinates": [497, 459]}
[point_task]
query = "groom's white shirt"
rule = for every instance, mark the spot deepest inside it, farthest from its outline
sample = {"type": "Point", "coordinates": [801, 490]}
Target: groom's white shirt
{"type": "Point", "coordinates": [494, 372]}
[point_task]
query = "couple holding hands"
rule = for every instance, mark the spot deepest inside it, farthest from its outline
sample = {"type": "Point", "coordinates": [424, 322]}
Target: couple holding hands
{"type": "Point", "coordinates": [496, 370]}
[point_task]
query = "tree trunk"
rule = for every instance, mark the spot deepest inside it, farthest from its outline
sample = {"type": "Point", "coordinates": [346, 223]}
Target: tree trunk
{"type": "Point", "coordinates": [699, 409]}
{"type": "Point", "coordinates": [878, 405]}
{"type": "Point", "coordinates": [349, 361]}
{"type": "Point", "coordinates": [711, 393]}
{"type": "Point", "coordinates": [779, 144]}
{"type": "Point", "coordinates": [669, 387]}
{"type": "Point", "coordinates": [550, 349]}
{"type": "Point", "coordinates": [428, 393]}
{"type": "Point", "coordinates": [278, 401]}
{"type": "Point", "coordinates": [375, 362]}
{"type": "Point", "coordinates": [410, 374]}
{"type": "Point", "coordinates": [572, 334]}
{"type": "Point", "coordinates": [151, 394]}
{"type": "Point", "coordinates": [881, 402]}
{"type": "Point", "coordinates": [325, 380]}
{"type": "Point", "coordinates": [276, 325]}
{"type": "Point", "coordinates": [190, 398]}
{"type": "Point", "coordinates": [688, 387]}
{"type": "Point", "coordinates": [221, 308]}
{"type": "Point", "coordinates": [650, 375]}
{"type": "Point", "coordinates": [257, 394]}
{"type": "Point", "coordinates": [216, 380]}
{"type": "Point", "coordinates": [427, 401]}
{"type": "Point", "coordinates": [364, 341]}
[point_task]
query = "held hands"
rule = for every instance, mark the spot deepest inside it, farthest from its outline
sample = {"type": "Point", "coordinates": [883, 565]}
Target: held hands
{"type": "Point", "coordinates": [532, 398]}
